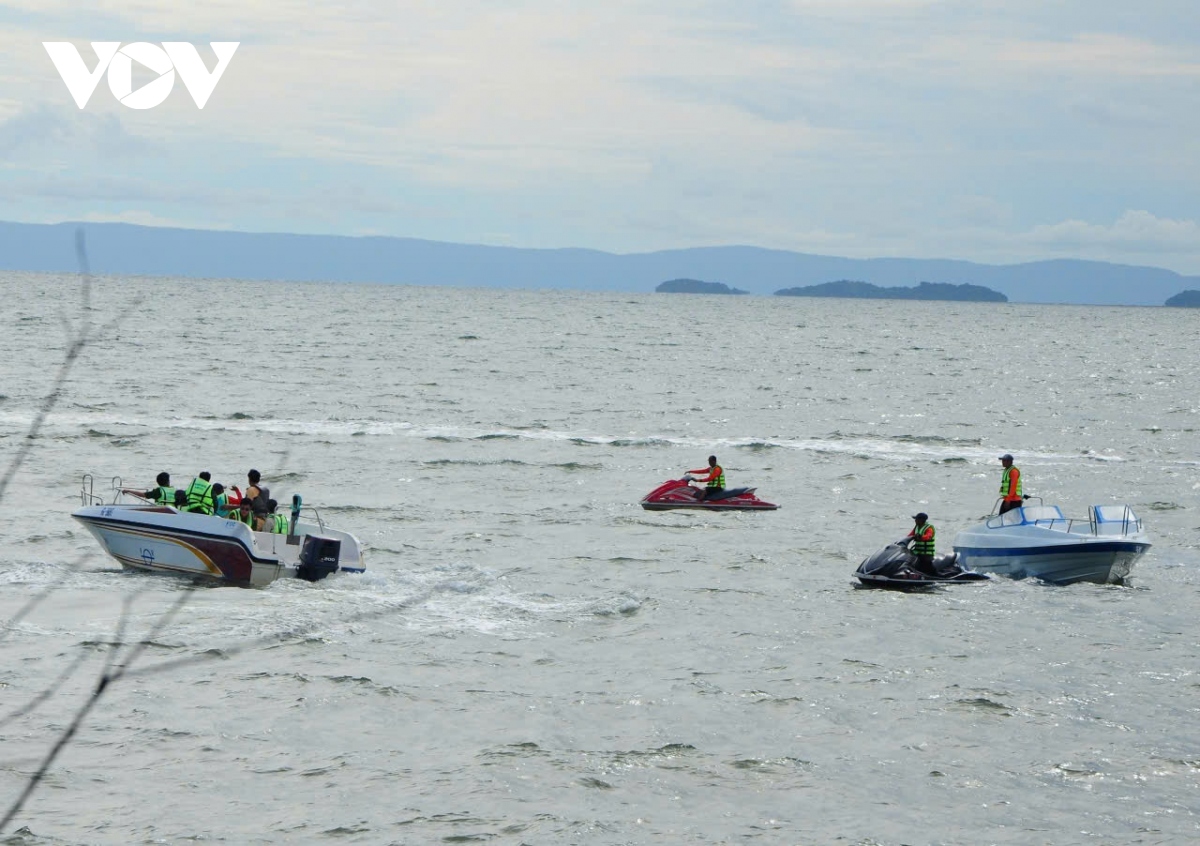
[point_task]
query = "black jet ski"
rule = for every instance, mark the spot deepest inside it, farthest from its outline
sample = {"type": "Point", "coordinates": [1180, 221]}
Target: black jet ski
{"type": "Point", "coordinates": [895, 567]}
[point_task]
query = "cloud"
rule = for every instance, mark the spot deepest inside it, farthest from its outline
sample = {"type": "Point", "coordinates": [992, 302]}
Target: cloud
{"type": "Point", "coordinates": [140, 217]}
{"type": "Point", "coordinates": [1133, 232]}
{"type": "Point", "coordinates": [42, 129]}
{"type": "Point", "coordinates": [857, 126]}
{"type": "Point", "coordinates": [1105, 54]}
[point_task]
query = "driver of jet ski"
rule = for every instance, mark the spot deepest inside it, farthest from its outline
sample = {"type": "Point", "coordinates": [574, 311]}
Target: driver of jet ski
{"type": "Point", "coordinates": [922, 538]}
{"type": "Point", "coordinates": [714, 481]}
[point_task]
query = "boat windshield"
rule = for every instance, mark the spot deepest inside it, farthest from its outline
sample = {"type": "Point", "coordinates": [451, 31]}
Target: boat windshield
{"type": "Point", "coordinates": [1030, 514]}
{"type": "Point", "coordinates": [1115, 519]}
{"type": "Point", "coordinates": [1113, 514]}
{"type": "Point", "coordinates": [1042, 513]}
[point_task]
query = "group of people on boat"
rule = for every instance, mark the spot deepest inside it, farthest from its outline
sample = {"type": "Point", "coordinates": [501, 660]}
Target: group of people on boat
{"type": "Point", "coordinates": [255, 507]}
{"type": "Point", "coordinates": [923, 535]}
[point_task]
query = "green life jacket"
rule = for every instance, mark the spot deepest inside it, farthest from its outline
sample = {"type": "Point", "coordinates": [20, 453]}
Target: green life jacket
{"type": "Point", "coordinates": [164, 496]}
{"type": "Point", "coordinates": [279, 523]}
{"type": "Point", "coordinates": [199, 497]}
{"type": "Point", "coordinates": [1006, 484]}
{"type": "Point", "coordinates": [718, 482]}
{"type": "Point", "coordinates": [923, 547]}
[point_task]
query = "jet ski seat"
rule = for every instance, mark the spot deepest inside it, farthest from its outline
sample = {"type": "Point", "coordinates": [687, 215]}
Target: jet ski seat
{"type": "Point", "coordinates": [728, 492]}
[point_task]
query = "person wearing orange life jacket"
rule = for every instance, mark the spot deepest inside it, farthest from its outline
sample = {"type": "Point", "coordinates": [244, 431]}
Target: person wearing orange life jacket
{"type": "Point", "coordinates": [923, 535]}
{"type": "Point", "coordinates": [714, 481]}
{"type": "Point", "coordinates": [1010, 485]}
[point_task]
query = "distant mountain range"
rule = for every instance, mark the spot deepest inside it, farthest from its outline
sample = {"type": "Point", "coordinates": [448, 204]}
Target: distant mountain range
{"type": "Point", "coordinates": [126, 249]}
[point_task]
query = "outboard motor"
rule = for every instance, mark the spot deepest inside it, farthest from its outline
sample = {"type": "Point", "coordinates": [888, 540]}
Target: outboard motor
{"type": "Point", "coordinates": [318, 557]}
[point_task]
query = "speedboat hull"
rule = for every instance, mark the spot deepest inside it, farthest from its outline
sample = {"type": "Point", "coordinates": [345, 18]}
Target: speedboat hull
{"type": "Point", "coordinates": [677, 494]}
{"type": "Point", "coordinates": [1037, 542]}
{"type": "Point", "coordinates": [160, 539]}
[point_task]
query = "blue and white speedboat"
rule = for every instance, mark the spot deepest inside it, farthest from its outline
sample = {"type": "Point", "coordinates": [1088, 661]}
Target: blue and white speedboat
{"type": "Point", "coordinates": [1038, 542]}
{"type": "Point", "coordinates": [162, 539]}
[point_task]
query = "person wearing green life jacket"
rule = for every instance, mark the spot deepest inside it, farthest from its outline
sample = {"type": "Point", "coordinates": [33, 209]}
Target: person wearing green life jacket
{"type": "Point", "coordinates": [200, 495]}
{"type": "Point", "coordinates": [923, 535]}
{"type": "Point", "coordinates": [1011, 493]}
{"type": "Point", "coordinates": [164, 494]}
{"type": "Point", "coordinates": [243, 514]}
{"type": "Point", "coordinates": [277, 524]}
{"type": "Point", "coordinates": [714, 481]}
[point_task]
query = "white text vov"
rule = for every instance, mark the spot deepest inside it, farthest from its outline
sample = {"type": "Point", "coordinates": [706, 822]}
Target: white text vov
{"type": "Point", "coordinates": [172, 56]}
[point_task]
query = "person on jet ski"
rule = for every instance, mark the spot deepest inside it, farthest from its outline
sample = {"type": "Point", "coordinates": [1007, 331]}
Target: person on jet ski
{"type": "Point", "coordinates": [714, 481]}
{"type": "Point", "coordinates": [922, 536]}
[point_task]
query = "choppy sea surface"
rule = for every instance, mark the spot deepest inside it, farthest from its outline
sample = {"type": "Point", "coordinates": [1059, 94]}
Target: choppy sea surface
{"type": "Point", "coordinates": [531, 658]}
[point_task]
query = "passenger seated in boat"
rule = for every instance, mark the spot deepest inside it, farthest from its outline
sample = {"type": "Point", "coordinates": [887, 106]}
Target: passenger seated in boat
{"type": "Point", "coordinates": [277, 524]}
{"type": "Point", "coordinates": [164, 494]}
{"type": "Point", "coordinates": [220, 500]}
{"type": "Point", "coordinates": [199, 494]}
{"type": "Point", "coordinates": [243, 514]}
{"type": "Point", "coordinates": [259, 496]}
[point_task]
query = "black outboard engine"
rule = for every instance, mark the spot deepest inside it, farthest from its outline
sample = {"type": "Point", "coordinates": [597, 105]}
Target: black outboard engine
{"type": "Point", "coordinates": [318, 557]}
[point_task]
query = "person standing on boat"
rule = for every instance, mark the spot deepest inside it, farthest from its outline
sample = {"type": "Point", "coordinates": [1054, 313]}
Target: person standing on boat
{"type": "Point", "coordinates": [164, 494]}
{"type": "Point", "coordinates": [1010, 485]}
{"type": "Point", "coordinates": [259, 497]}
{"type": "Point", "coordinates": [714, 481]}
{"type": "Point", "coordinates": [923, 535]}
{"type": "Point", "coordinates": [200, 494]}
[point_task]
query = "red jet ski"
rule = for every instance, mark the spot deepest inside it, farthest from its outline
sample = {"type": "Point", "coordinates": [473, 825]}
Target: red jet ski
{"type": "Point", "coordinates": [677, 493]}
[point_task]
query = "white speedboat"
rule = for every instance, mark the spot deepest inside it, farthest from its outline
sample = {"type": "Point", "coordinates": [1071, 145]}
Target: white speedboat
{"type": "Point", "coordinates": [1037, 541]}
{"type": "Point", "coordinates": [160, 538]}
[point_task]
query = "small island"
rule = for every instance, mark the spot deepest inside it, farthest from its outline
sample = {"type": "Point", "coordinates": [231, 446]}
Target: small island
{"type": "Point", "coordinates": [924, 291]}
{"type": "Point", "coordinates": [695, 286]}
{"type": "Point", "coordinates": [1185, 299]}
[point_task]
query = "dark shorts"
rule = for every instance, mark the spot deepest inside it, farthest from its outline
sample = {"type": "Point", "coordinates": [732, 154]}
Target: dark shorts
{"type": "Point", "coordinates": [924, 563]}
{"type": "Point", "coordinates": [709, 492]}
{"type": "Point", "coordinates": [1009, 505]}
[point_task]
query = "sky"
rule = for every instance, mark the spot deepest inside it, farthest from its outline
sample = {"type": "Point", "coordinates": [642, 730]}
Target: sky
{"type": "Point", "coordinates": [998, 131]}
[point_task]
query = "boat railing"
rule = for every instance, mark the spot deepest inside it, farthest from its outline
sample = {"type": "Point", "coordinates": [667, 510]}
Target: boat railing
{"type": "Point", "coordinates": [1097, 523]}
{"type": "Point", "coordinates": [317, 514]}
{"type": "Point", "coordinates": [88, 495]}
{"type": "Point", "coordinates": [1106, 524]}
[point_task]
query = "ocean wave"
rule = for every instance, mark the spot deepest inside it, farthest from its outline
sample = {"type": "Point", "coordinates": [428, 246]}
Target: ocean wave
{"type": "Point", "coordinates": [882, 446]}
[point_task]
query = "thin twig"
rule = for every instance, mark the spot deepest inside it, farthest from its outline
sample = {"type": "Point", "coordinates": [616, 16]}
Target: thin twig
{"type": "Point", "coordinates": [106, 680]}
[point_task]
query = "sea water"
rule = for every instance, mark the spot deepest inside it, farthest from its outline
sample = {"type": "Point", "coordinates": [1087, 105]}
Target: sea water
{"type": "Point", "coordinates": [531, 657]}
